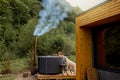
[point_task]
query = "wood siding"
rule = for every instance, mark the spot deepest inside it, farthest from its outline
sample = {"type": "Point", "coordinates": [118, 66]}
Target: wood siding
{"type": "Point", "coordinates": [84, 52]}
{"type": "Point", "coordinates": [103, 14]}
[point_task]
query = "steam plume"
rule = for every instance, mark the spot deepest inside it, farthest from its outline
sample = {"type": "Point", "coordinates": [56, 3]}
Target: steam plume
{"type": "Point", "coordinates": [53, 12]}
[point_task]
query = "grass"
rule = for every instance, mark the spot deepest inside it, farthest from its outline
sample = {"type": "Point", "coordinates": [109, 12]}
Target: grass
{"type": "Point", "coordinates": [17, 66]}
{"type": "Point", "coordinates": [8, 77]}
{"type": "Point", "coordinates": [21, 64]}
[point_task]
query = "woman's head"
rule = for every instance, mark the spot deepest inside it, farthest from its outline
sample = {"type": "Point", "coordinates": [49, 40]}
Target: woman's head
{"type": "Point", "coordinates": [59, 53]}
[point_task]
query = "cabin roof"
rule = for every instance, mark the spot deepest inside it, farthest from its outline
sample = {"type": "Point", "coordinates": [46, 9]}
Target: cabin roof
{"type": "Point", "coordinates": [108, 12]}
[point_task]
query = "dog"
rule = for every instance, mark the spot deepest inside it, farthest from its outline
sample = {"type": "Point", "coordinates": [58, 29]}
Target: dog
{"type": "Point", "coordinates": [70, 65]}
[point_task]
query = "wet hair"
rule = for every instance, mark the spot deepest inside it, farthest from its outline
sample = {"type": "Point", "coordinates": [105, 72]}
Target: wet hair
{"type": "Point", "coordinates": [60, 53]}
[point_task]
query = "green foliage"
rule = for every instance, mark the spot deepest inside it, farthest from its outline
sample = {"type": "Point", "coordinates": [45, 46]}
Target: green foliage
{"type": "Point", "coordinates": [6, 67]}
{"type": "Point", "coordinates": [69, 28]}
{"type": "Point", "coordinates": [57, 43]}
{"type": "Point", "coordinates": [2, 49]}
{"type": "Point", "coordinates": [18, 19]}
{"type": "Point", "coordinates": [43, 45]}
{"type": "Point", "coordinates": [5, 12]}
{"type": "Point", "coordinates": [8, 77]}
{"type": "Point", "coordinates": [59, 39]}
{"type": "Point", "coordinates": [35, 7]}
{"type": "Point", "coordinates": [71, 15]}
{"type": "Point", "coordinates": [19, 64]}
{"type": "Point", "coordinates": [25, 38]}
{"type": "Point", "coordinates": [30, 59]}
{"type": "Point", "coordinates": [20, 12]}
{"type": "Point", "coordinates": [5, 58]}
{"type": "Point", "coordinates": [14, 33]}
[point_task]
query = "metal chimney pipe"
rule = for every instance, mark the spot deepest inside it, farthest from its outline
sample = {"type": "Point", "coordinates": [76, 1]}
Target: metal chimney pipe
{"type": "Point", "coordinates": [35, 51]}
{"type": "Point", "coordinates": [34, 66]}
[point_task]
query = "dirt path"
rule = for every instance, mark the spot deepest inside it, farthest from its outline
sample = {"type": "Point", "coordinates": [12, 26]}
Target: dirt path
{"type": "Point", "coordinates": [28, 77]}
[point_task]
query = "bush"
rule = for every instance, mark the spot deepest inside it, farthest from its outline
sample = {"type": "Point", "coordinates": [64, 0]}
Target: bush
{"type": "Point", "coordinates": [5, 67]}
{"type": "Point", "coordinates": [5, 63]}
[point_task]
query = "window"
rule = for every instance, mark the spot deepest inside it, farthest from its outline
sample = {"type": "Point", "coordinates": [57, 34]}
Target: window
{"type": "Point", "coordinates": [112, 41]}
{"type": "Point", "coordinates": [106, 46]}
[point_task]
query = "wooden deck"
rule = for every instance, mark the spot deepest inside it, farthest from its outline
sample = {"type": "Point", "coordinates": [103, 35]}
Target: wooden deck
{"type": "Point", "coordinates": [59, 76]}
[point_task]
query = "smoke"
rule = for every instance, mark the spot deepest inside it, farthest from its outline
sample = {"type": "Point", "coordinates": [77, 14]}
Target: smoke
{"type": "Point", "coordinates": [53, 12]}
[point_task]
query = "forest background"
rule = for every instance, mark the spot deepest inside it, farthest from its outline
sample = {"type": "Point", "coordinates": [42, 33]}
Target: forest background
{"type": "Point", "coordinates": [18, 19]}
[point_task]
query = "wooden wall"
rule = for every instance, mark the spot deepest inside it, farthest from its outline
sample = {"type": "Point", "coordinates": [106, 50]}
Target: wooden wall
{"type": "Point", "coordinates": [98, 15]}
{"type": "Point", "coordinates": [107, 12]}
{"type": "Point", "coordinates": [84, 52]}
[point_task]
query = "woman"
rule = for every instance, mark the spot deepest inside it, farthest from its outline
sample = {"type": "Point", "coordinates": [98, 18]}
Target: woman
{"type": "Point", "coordinates": [70, 65]}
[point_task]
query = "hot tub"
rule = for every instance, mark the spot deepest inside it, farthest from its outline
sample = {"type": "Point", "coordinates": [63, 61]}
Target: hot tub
{"type": "Point", "coordinates": [49, 64]}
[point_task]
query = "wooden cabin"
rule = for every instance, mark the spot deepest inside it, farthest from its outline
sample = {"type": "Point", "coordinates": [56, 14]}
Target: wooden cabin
{"type": "Point", "coordinates": [90, 40]}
